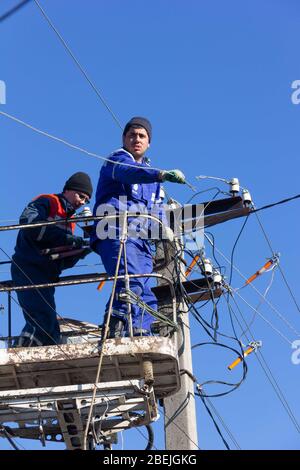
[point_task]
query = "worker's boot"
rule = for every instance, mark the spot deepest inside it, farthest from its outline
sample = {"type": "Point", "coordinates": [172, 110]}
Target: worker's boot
{"type": "Point", "coordinates": [116, 328]}
{"type": "Point", "coordinates": [140, 332]}
{"type": "Point", "coordinates": [24, 342]}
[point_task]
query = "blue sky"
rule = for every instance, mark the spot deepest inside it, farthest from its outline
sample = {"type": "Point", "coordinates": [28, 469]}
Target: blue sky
{"type": "Point", "coordinates": [215, 80]}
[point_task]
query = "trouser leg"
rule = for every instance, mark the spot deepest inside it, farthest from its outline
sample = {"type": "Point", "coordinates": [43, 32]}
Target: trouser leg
{"type": "Point", "coordinates": [139, 261]}
{"type": "Point", "coordinates": [38, 307]}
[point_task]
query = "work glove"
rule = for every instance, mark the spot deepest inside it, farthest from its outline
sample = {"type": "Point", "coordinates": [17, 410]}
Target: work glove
{"type": "Point", "coordinates": [174, 176]}
{"type": "Point", "coordinates": [76, 242]}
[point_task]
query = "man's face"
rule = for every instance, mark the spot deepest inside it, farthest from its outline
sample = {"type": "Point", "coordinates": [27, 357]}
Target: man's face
{"type": "Point", "coordinates": [136, 141]}
{"type": "Point", "coordinates": [76, 198]}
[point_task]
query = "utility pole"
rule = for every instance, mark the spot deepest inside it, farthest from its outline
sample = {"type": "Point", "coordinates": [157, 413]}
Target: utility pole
{"type": "Point", "coordinates": [179, 409]}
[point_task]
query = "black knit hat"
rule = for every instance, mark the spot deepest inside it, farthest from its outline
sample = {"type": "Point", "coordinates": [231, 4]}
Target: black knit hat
{"type": "Point", "coordinates": [139, 122]}
{"type": "Point", "coordinates": [80, 182]}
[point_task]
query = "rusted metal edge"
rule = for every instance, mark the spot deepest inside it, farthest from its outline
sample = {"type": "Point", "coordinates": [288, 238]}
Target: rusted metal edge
{"type": "Point", "coordinates": [149, 346]}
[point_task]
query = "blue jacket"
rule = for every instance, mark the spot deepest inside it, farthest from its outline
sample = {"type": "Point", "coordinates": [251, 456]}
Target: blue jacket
{"type": "Point", "coordinates": [138, 183]}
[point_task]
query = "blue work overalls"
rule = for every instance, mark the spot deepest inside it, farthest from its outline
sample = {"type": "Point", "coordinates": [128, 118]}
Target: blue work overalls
{"type": "Point", "coordinates": [122, 188]}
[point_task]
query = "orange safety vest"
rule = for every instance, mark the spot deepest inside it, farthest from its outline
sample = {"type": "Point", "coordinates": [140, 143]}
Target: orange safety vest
{"type": "Point", "coordinates": [57, 212]}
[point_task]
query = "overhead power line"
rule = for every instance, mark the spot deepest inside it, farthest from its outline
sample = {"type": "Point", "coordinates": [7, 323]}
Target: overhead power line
{"type": "Point", "coordinates": [13, 10]}
{"type": "Point", "coordinates": [279, 267]}
{"type": "Point", "coordinates": [68, 144]}
{"type": "Point", "coordinates": [213, 420]}
{"type": "Point", "coordinates": [270, 376]}
{"type": "Point", "coordinates": [283, 201]}
{"type": "Point", "coordinates": [281, 316]}
{"type": "Point", "coordinates": [103, 101]}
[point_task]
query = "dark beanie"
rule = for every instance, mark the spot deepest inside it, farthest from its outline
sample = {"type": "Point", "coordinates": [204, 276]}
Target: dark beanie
{"type": "Point", "coordinates": [80, 182]}
{"type": "Point", "coordinates": [139, 122]}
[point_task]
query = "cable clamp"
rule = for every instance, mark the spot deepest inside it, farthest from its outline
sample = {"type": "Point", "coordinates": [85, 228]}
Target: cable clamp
{"type": "Point", "coordinates": [255, 345]}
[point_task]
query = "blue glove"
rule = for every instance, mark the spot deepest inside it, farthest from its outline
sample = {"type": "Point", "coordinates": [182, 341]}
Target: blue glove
{"type": "Point", "coordinates": [174, 176]}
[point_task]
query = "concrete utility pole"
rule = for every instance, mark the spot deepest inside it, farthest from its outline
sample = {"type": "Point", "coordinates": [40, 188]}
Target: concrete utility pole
{"type": "Point", "coordinates": [180, 409]}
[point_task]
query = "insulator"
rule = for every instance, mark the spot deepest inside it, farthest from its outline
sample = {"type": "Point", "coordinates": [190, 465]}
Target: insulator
{"type": "Point", "coordinates": [208, 269]}
{"type": "Point", "coordinates": [217, 277]}
{"type": "Point", "coordinates": [234, 186]}
{"type": "Point", "coordinates": [172, 203]}
{"type": "Point", "coordinates": [247, 199]}
{"type": "Point", "coordinates": [86, 212]}
{"type": "Point", "coordinates": [162, 193]}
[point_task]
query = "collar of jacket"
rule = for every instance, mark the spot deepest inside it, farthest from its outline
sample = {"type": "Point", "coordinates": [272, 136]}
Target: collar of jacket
{"type": "Point", "coordinates": [145, 161]}
{"type": "Point", "coordinates": [66, 205]}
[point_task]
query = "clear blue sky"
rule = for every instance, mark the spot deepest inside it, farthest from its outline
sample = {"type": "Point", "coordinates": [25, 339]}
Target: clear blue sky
{"type": "Point", "coordinates": [215, 80]}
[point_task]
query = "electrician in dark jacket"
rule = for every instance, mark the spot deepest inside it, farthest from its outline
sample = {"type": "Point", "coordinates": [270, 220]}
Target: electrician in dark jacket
{"type": "Point", "coordinates": [127, 183]}
{"type": "Point", "coordinates": [30, 264]}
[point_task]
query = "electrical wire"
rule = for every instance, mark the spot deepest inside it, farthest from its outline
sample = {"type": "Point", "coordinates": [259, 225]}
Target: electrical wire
{"type": "Point", "coordinates": [43, 298]}
{"type": "Point", "coordinates": [283, 319]}
{"type": "Point", "coordinates": [233, 386]}
{"type": "Point", "coordinates": [279, 266]}
{"type": "Point", "coordinates": [264, 318]}
{"type": "Point", "coordinates": [13, 10]}
{"type": "Point", "coordinates": [76, 147]}
{"type": "Point", "coordinates": [213, 419]}
{"type": "Point", "coordinates": [269, 374]}
{"type": "Point", "coordinates": [234, 247]}
{"type": "Point", "coordinates": [221, 268]}
{"type": "Point", "coordinates": [75, 366]}
{"type": "Point", "coordinates": [106, 396]}
{"type": "Point", "coordinates": [8, 436]}
{"type": "Point", "coordinates": [254, 210]}
{"type": "Point", "coordinates": [223, 424]}
{"type": "Point", "coordinates": [260, 302]}
{"type": "Point", "coordinates": [67, 48]}
{"type": "Point", "coordinates": [283, 201]}
{"type": "Point", "coordinates": [68, 144]}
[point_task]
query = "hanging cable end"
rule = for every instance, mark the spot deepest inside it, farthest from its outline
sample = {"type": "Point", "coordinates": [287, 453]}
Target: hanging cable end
{"type": "Point", "coordinates": [191, 186]}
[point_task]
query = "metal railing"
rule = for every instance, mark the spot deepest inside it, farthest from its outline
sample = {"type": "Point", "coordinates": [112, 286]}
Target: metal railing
{"type": "Point", "coordinates": [9, 287]}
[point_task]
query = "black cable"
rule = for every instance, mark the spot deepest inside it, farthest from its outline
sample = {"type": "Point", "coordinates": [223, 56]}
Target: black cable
{"type": "Point", "coordinates": [283, 201]}
{"type": "Point", "coordinates": [205, 191]}
{"type": "Point", "coordinates": [213, 419]}
{"type": "Point", "coordinates": [229, 384]}
{"type": "Point", "coordinates": [215, 310]}
{"type": "Point", "coordinates": [209, 283]}
{"type": "Point", "coordinates": [213, 251]}
{"type": "Point", "coordinates": [234, 247]}
{"type": "Point", "coordinates": [150, 437]}
{"type": "Point", "coordinates": [8, 436]}
{"type": "Point", "coordinates": [213, 408]}
{"type": "Point", "coordinates": [198, 317]}
{"type": "Point", "coordinates": [13, 10]}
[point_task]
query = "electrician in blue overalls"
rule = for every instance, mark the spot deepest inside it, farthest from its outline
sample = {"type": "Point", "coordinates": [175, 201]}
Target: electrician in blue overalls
{"type": "Point", "coordinates": [122, 188]}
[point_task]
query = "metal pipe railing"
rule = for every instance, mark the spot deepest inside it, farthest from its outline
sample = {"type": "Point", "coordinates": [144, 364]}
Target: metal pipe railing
{"type": "Point", "coordinates": [9, 287]}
